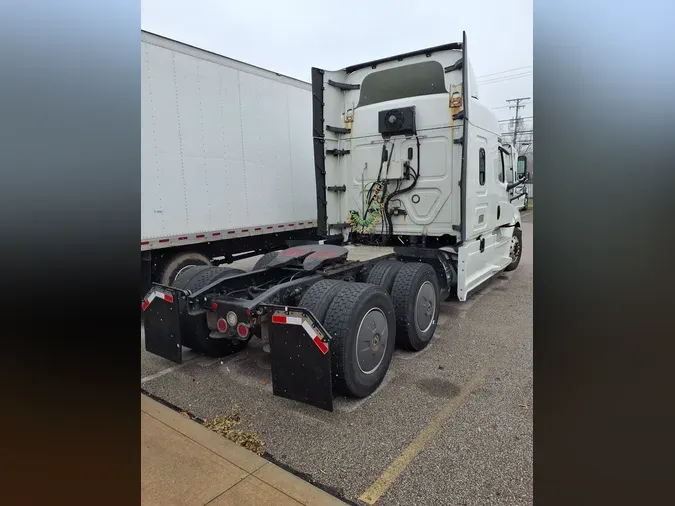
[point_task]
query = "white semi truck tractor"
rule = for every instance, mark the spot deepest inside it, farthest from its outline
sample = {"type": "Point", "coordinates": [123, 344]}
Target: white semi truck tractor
{"type": "Point", "coordinates": [413, 205]}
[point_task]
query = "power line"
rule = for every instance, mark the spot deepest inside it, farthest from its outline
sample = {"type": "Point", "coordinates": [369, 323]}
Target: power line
{"type": "Point", "coordinates": [517, 107]}
{"type": "Point", "coordinates": [505, 78]}
{"type": "Point", "coordinates": [504, 71]}
{"type": "Point", "coordinates": [523, 117]}
{"type": "Point", "coordinates": [510, 106]}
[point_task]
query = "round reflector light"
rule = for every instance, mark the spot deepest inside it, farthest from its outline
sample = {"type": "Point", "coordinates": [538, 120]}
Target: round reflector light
{"type": "Point", "coordinates": [231, 318]}
{"type": "Point", "coordinates": [222, 325]}
{"type": "Point", "coordinates": [242, 330]}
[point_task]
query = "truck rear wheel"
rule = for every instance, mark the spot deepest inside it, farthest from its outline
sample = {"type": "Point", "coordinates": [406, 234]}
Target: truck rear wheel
{"type": "Point", "coordinates": [319, 296]}
{"type": "Point", "coordinates": [515, 250]}
{"type": "Point", "coordinates": [196, 331]}
{"type": "Point", "coordinates": [178, 264]}
{"type": "Point", "coordinates": [416, 295]}
{"type": "Point", "coordinates": [361, 321]}
{"type": "Point", "coordinates": [384, 273]}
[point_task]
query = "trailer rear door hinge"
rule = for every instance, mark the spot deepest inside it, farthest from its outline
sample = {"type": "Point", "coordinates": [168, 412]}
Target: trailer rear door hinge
{"type": "Point", "coordinates": [459, 115]}
{"type": "Point", "coordinates": [338, 130]}
{"type": "Point", "coordinates": [344, 86]}
{"type": "Point", "coordinates": [457, 228]}
{"type": "Point", "coordinates": [456, 66]}
{"type": "Point", "coordinates": [337, 152]}
{"type": "Point", "coordinates": [342, 188]}
{"type": "Point", "coordinates": [459, 141]}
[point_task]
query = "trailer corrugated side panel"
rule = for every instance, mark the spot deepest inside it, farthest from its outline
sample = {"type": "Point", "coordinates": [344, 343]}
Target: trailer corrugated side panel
{"type": "Point", "coordinates": [224, 145]}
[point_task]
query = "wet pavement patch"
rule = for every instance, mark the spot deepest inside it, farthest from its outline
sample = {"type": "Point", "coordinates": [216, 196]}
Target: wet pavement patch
{"type": "Point", "coordinates": [438, 387]}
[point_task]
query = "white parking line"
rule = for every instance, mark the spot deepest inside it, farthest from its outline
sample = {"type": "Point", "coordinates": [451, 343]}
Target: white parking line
{"type": "Point", "coordinates": [164, 371]}
{"type": "Point", "coordinates": [197, 359]}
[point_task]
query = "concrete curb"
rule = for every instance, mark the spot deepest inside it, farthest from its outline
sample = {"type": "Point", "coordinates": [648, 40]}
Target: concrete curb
{"type": "Point", "coordinates": [175, 449]}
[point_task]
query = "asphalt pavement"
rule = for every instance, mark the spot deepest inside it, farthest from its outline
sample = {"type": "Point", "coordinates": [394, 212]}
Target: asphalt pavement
{"type": "Point", "coordinates": [451, 425]}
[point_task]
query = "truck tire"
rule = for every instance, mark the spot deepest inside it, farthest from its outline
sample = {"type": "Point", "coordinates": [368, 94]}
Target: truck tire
{"type": "Point", "coordinates": [319, 296]}
{"type": "Point", "coordinates": [416, 295]}
{"type": "Point", "coordinates": [174, 266]}
{"type": "Point", "coordinates": [197, 277]}
{"type": "Point", "coordinates": [360, 314]}
{"type": "Point", "coordinates": [384, 273]}
{"type": "Point", "coordinates": [515, 250]}
{"type": "Point", "coordinates": [264, 260]}
{"type": "Point", "coordinates": [196, 331]}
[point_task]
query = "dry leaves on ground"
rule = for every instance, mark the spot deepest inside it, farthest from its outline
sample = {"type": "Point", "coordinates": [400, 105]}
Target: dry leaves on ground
{"type": "Point", "coordinates": [226, 426]}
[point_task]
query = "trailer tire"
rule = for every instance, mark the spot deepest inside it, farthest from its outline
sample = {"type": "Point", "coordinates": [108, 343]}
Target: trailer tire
{"type": "Point", "coordinates": [416, 295]}
{"type": "Point", "coordinates": [318, 297]}
{"type": "Point", "coordinates": [196, 331]}
{"type": "Point", "coordinates": [384, 273]}
{"type": "Point", "coordinates": [175, 266]}
{"type": "Point", "coordinates": [515, 250]}
{"type": "Point", "coordinates": [264, 260]}
{"type": "Point", "coordinates": [360, 313]}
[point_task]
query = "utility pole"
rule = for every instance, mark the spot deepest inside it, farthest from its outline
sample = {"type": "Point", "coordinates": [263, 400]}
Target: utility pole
{"type": "Point", "coordinates": [517, 107]}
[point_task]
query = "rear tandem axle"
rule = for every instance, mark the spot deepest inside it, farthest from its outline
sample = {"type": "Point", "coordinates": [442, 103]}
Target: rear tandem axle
{"type": "Point", "coordinates": [331, 324]}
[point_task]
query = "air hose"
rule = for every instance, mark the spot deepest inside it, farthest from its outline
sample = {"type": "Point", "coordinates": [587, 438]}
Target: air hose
{"type": "Point", "coordinates": [372, 212]}
{"type": "Point", "coordinates": [402, 190]}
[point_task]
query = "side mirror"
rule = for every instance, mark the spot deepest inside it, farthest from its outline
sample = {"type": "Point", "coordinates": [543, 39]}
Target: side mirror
{"type": "Point", "coordinates": [522, 164]}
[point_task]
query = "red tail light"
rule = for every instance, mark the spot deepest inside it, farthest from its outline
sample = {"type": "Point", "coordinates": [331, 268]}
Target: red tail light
{"type": "Point", "coordinates": [222, 325]}
{"type": "Point", "coordinates": [242, 330]}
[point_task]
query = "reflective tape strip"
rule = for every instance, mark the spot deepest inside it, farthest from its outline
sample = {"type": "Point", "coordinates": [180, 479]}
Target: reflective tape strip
{"type": "Point", "coordinates": [294, 320]}
{"type": "Point", "coordinates": [147, 301]}
{"type": "Point", "coordinates": [164, 296]}
{"type": "Point", "coordinates": [315, 337]}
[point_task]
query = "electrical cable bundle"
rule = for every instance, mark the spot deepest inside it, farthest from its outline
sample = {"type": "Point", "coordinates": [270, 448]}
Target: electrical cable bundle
{"type": "Point", "coordinates": [378, 199]}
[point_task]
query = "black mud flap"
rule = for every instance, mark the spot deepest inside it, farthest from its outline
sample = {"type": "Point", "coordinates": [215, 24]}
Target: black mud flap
{"type": "Point", "coordinates": [300, 356]}
{"type": "Point", "coordinates": [162, 309]}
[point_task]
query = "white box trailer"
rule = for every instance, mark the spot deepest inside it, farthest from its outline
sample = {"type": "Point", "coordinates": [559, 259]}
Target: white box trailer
{"type": "Point", "coordinates": [227, 163]}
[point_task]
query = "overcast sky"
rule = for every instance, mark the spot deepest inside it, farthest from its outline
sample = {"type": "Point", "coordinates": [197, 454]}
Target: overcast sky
{"type": "Point", "coordinates": [291, 36]}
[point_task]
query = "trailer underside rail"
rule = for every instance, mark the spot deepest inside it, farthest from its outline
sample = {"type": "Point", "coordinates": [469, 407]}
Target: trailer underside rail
{"type": "Point", "coordinates": [300, 356]}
